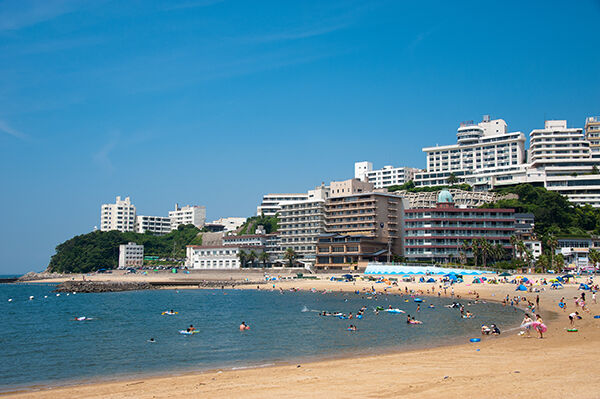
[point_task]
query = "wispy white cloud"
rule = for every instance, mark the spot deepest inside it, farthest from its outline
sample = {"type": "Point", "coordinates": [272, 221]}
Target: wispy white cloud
{"type": "Point", "coordinates": [422, 36]}
{"type": "Point", "coordinates": [18, 14]}
{"type": "Point", "coordinates": [7, 129]}
{"type": "Point", "coordinates": [102, 156]}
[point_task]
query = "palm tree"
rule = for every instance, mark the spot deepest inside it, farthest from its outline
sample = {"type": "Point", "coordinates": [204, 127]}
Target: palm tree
{"type": "Point", "coordinates": [521, 249]}
{"type": "Point", "coordinates": [464, 250]}
{"type": "Point", "coordinates": [452, 179]}
{"type": "Point", "coordinates": [252, 257]}
{"type": "Point", "coordinates": [559, 262]}
{"type": "Point", "coordinates": [264, 258]}
{"type": "Point", "coordinates": [529, 257]}
{"type": "Point", "coordinates": [242, 256]}
{"type": "Point", "coordinates": [513, 243]}
{"type": "Point", "coordinates": [552, 245]}
{"type": "Point", "coordinates": [290, 255]}
{"type": "Point", "coordinates": [499, 252]}
{"type": "Point", "coordinates": [543, 262]}
{"type": "Point", "coordinates": [486, 250]}
{"type": "Point", "coordinates": [476, 249]}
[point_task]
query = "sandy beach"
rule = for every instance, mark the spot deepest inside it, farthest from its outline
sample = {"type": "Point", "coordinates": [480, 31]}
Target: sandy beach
{"type": "Point", "coordinates": [562, 364]}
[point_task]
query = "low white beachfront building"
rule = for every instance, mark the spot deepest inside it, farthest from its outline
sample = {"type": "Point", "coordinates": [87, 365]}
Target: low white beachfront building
{"type": "Point", "coordinates": [217, 256]}
{"type": "Point", "coordinates": [131, 255]}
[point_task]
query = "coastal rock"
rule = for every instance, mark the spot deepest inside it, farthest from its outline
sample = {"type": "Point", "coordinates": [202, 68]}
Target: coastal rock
{"type": "Point", "coordinates": [101, 286]}
{"type": "Point", "coordinates": [40, 276]}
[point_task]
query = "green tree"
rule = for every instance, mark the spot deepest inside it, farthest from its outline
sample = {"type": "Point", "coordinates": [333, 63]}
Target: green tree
{"type": "Point", "coordinates": [290, 255]}
{"type": "Point", "coordinates": [452, 179]}
{"type": "Point", "coordinates": [464, 251]}
{"type": "Point", "coordinates": [252, 256]}
{"type": "Point", "coordinates": [264, 258]}
{"type": "Point", "coordinates": [243, 257]}
{"type": "Point", "coordinates": [543, 262]}
{"type": "Point", "coordinates": [513, 243]}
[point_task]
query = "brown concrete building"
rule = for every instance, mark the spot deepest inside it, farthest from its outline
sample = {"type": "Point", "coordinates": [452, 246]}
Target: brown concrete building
{"type": "Point", "coordinates": [360, 228]}
{"type": "Point", "coordinates": [349, 187]}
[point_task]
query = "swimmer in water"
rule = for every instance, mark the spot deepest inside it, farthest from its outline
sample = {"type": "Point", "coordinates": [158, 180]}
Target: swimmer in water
{"type": "Point", "coordinates": [152, 341]}
{"type": "Point", "coordinates": [243, 326]}
{"type": "Point", "coordinates": [191, 328]}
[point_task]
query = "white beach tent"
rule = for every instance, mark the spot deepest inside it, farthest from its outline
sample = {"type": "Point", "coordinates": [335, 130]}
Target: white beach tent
{"type": "Point", "coordinates": [378, 268]}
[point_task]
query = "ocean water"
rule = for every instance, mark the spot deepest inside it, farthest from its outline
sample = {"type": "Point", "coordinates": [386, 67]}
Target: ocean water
{"type": "Point", "coordinates": [42, 345]}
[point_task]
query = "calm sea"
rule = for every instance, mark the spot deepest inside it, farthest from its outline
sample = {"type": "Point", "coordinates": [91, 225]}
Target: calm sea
{"type": "Point", "coordinates": [41, 345]}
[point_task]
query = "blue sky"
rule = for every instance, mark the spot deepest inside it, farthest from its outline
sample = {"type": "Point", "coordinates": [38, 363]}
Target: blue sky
{"type": "Point", "coordinates": [217, 102]}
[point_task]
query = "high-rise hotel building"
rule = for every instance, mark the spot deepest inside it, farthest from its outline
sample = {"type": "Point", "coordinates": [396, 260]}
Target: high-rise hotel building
{"type": "Point", "coordinates": [118, 216]}
{"type": "Point", "coordinates": [564, 161]}
{"type": "Point", "coordinates": [438, 233]}
{"type": "Point", "coordinates": [360, 227]}
{"type": "Point", "coordinates": [485, 154]}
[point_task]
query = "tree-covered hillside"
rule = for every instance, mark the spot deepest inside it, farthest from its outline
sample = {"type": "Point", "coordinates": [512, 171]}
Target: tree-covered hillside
{"type": "Point", "coordinates": [100, 249]}
{"type": "Point", "coordinates": [270, 224]}
{"type": "Point", "coordinates": [554, 214]}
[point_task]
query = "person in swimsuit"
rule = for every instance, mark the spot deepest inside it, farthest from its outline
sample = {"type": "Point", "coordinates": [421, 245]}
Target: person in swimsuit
{"type": "Point", "coordinates": [243, 326]}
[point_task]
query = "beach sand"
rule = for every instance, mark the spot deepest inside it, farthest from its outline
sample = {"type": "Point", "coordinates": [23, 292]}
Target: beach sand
{"type": "Point", "coordinates": [562, 365]}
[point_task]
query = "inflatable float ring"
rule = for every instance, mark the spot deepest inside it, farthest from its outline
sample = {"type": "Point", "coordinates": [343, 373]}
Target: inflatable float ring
{"type": "Point", "coordinates": [571, 329]}
{"type": "Point", "coordinates": [475, 339]}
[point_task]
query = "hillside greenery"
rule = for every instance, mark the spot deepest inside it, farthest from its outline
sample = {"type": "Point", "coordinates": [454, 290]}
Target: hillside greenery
{"type": "Point", "coordinates": [100, 249]}
{"type": "Point", "coordinates": [270, 224]}
{"type": "Point", "coordinates": [554, 213]}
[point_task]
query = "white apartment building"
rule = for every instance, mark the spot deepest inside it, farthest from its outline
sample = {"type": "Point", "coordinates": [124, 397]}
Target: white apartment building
{"type": "Point", "coordinates": [361, 169]}
{"type": "Point", "coordinates": [230, 223]}
{"type": "Point", "coordinates": [300, 224]}
{"type": "Point", "coordinates": [195, 215]}
{"type": "Point", "coordinates": [217, 257]}
{"type": "Point", "coordinates": [158, 225]}
{"type": "Point", "coordinates": [270, 202]}
{"type": "Point", "coordinates": [384, 177]}
{"type": "Point", "coordinates": [592, 134]}
{"type": "Point", "coordinates": [131, 255]}
{"type": "Point", "coordinates": [562, 158]}
{"type": "Point", "coordinates": [118, 216]}
{"type": "Point", "coordinates": [485, 154]}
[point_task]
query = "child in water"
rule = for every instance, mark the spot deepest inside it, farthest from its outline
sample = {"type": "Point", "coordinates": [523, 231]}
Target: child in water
{"type": "Point", "coordinates": [243, 326]}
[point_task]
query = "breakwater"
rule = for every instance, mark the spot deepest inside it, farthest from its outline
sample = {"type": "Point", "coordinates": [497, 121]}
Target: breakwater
{"type": "Point", "coordinates": [102, 286]}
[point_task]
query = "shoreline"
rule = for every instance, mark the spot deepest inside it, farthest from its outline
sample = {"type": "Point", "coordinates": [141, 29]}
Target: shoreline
{"type": "Point", "coordinates": [180, 380]}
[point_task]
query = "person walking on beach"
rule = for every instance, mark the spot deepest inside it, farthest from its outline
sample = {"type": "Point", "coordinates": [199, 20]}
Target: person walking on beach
{"type": "Point", "coordinates": [526, 323]}
{"type": "Point", "coordinates": [540, 327]}
{"type": "Point", "coordinates": [537, 302]}
{"type": "Point", "coordinates": [572, 317]}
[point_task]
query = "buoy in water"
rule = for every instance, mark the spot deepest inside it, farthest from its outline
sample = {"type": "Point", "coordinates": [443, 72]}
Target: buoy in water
{"type": "Point", "coordinates": [31, 297]}
{"type": "Point", "coordinates": [57, 294]}
{"type": "Point", "coordinates": [45, 296]}
{"type": "Point", "coordinates": [9, 299]}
